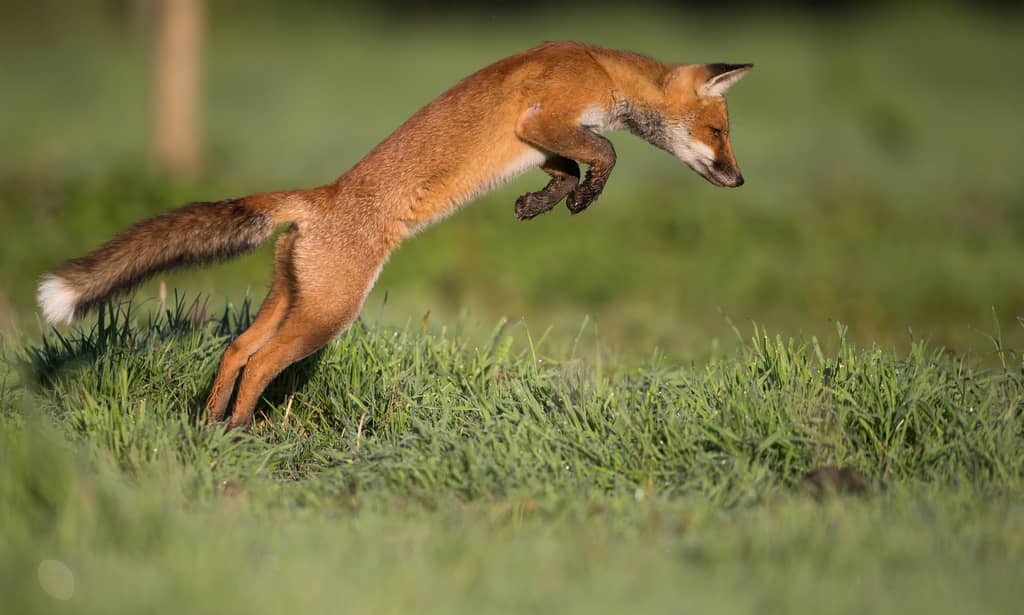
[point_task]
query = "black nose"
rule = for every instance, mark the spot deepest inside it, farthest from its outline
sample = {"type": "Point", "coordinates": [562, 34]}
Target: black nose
{"type": "Point", "coordinates": [739, 181]}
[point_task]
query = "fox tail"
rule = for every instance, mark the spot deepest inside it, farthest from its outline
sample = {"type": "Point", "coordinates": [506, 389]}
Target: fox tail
{"type": "Point", "coordinates": [195, 234]}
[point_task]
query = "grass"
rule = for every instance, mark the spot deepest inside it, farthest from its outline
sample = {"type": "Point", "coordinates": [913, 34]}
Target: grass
{"type": "Point", "coordinates": [407, 469]}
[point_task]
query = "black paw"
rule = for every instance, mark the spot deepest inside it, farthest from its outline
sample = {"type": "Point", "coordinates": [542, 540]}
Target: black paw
{"type": "Point", "coordinates": [532, 204]}
{"type": "Point", "coordinates": [581, 198]}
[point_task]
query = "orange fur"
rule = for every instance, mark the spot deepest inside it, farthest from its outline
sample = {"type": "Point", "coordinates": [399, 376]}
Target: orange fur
{"type": "Point", "coordinates": [543, 107]}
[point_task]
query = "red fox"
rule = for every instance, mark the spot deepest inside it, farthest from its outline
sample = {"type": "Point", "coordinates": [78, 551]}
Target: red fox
{"type": "Point", "coordinates": [543, 107]}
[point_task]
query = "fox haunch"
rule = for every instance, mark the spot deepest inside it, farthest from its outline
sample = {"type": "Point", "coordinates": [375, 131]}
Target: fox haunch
{"type": "Point", "coordinates": [541, 108]}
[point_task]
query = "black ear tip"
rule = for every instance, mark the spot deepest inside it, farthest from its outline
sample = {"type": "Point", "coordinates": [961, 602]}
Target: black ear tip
{"type": "Point", "coordinates": [722, 68]}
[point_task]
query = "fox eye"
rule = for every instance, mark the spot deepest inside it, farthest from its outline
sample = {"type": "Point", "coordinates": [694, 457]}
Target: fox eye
{"type": "Point", "coordinates": [717, 132]}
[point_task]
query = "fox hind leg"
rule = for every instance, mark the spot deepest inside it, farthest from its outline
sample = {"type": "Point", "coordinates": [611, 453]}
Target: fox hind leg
{"type": "Point", "coordinates": [565, 175]}
{"type": "Point", "coordinates": [266, 323]}
{"type": "Point", "coordinates": [324, 302]}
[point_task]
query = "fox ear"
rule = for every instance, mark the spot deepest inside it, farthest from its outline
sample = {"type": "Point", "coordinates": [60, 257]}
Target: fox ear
{"type": "Point", "coordinates": [721, 77]}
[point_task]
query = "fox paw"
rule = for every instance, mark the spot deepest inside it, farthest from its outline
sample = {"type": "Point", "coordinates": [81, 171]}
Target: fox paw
{"type": "Point", "coordinates": [532, 204]}
{"type": "Point", "coordinates": [580, 199]}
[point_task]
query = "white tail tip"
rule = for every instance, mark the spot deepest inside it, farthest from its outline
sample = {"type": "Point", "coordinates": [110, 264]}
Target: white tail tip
{"type": "Point", "coordinates": [57, 299]}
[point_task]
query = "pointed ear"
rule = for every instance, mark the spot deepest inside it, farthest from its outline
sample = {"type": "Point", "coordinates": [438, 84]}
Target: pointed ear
{"type": "Point", "coordinates": [721, 77]}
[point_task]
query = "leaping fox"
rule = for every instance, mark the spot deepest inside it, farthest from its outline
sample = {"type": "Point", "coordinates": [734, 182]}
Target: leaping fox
{"type": "Point", "coordinates": [543, 107]}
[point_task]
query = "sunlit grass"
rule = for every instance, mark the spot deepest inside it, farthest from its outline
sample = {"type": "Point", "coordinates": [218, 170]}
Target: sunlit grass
{"type": "Point", "coordinates": [460, 472]}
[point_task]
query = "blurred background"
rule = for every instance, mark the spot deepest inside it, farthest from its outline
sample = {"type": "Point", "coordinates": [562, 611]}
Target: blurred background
{"type": "Point", "coordinates": [881, 144]}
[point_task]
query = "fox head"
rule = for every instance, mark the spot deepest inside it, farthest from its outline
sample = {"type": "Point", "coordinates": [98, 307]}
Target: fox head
{"type": "Point", "coordinates": [695, 120]}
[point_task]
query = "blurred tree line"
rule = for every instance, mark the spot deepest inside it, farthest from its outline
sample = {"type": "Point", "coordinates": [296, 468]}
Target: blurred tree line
{"type": "Point", "coordinates": [177, 29]}
{"type": "Point", "coordinates": [134, 8]}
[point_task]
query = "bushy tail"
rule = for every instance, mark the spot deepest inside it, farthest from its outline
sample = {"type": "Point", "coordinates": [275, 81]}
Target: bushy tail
{"type": "Point", "coordinates": [194, 234]}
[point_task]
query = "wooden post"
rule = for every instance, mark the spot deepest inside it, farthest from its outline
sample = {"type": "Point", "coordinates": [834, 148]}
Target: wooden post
{"type": "Point", "coordinates": [178, 53]}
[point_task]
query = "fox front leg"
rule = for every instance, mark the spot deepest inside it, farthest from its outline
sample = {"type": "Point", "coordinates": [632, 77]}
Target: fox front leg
{"type": "Point", "coordinates": [599, 166]}
{"type": "Point", "coordinates": [566, 138]}
{"type": "Point", "coordinates": [565, 176]}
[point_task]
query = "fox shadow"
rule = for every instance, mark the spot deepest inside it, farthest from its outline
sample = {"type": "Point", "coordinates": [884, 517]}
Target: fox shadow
{"type": "Point", "coordinates": [117, 331]}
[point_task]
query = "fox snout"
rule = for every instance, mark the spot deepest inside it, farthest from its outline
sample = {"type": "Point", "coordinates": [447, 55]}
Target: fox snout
{"type": "Point", "coordinates": [718, 167]}
{"type": "Point", "coordinates": [725, 176]}
{"type": "Point", "coordinates": [720, 174]}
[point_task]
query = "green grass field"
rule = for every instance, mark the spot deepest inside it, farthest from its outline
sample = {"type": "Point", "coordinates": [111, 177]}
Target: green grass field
{"type": "Point", "coordinates": [575, 414]}
{"type": "Point", "coordinates": [406, 471]}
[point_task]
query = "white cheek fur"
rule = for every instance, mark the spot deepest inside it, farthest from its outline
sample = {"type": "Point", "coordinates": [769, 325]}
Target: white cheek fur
{"type": "Point", "coordinates": [691, 151]}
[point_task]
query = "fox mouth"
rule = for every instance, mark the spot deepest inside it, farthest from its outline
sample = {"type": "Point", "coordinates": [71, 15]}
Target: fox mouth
{"type": "Point", "coordinates": [722, 179]}
{"type": "Point", "coordinates": [705, 165]}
